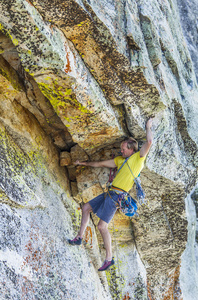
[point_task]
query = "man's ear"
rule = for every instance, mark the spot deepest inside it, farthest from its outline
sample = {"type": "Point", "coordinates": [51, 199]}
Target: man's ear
{"type": "Point", "coordinates": [133, 151]}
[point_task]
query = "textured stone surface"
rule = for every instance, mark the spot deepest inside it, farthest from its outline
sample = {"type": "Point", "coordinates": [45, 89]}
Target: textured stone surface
{"type": "Point", "coordinates": [188, 277]}
{"type": "Point", "coordinates": [78, 76]}
{"type": "Point", "coordinates": [77, 153]}
{"type": "Point", "coordinates": [188, 12]}
{"type": "Point", "coordinates": [65, 159]}
{"type": "Point", "coordinates": [37, 217]}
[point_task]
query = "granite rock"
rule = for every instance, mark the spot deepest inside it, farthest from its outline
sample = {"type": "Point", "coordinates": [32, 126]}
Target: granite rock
{"type": "Point", "coordinates": [77, 77]}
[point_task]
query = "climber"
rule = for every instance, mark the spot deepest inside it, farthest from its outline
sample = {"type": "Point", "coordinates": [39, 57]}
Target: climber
{"type": "Point", "coordinates": [104, 205]}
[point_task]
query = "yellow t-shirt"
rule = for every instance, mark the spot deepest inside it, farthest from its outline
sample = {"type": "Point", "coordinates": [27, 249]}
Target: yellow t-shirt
{"type": "Point", "coordinates": [124, 179]}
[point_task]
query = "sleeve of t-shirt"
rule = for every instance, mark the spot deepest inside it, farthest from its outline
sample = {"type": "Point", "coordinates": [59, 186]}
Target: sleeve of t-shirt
{"type": "Point", "coordinates": [140, 158]}
{"type": "Point", "coordinates": [116, 159]}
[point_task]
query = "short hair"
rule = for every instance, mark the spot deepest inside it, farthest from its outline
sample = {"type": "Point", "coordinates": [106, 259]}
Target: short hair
{"type": "Point", "coordinates": [131, 143]}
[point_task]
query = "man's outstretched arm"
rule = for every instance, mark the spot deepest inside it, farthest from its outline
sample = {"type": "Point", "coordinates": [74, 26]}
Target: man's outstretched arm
{"type": "Point", "coordinates": [149, 139]}
{"type": "Point", "coordinates": [97, 164]}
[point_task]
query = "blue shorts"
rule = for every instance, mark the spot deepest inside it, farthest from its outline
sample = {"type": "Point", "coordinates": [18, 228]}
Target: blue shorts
{"type": "Point", "coordinates": [105, 207]}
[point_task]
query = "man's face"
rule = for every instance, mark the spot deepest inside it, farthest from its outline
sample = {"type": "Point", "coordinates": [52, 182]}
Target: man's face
{"type": "Point", "coordinates": [125, 151]}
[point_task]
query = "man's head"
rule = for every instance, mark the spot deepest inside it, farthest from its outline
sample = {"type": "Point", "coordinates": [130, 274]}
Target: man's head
{"type": "Point", "coordinates": [129, 147]}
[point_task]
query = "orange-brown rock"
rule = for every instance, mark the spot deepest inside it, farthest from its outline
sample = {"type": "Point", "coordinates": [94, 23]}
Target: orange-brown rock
{"type": "Point", "coordinates": [74, 188]}
{"type": "Point", "coordinates": [77, 153]}
{"type": "Point", "coordinates": [65, 159]}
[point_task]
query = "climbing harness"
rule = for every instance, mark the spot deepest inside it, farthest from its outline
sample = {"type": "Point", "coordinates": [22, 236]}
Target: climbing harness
{"type": "Point", "coordinates": [128, 205]}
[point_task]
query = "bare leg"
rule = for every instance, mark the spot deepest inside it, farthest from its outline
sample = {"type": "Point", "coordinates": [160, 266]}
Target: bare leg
{"type": "Point", "coordinates": [103, 228]}
{"type": "Point", "coordinates": [85, 218]}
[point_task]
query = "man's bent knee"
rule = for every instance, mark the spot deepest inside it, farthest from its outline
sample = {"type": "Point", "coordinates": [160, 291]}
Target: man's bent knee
{"type": "Point", "coordinates": [87, 207]}
{"type": "Point", "coordinates": [102, 225]}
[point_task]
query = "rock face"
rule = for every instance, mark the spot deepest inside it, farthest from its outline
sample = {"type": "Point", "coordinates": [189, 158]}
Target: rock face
{"type": "Point", "coordinates": [188, 11]}
{"type": "Point", "coordinates": [76, 77]}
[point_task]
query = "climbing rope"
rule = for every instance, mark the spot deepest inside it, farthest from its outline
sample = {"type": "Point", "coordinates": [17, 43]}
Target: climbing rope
{"type": "Point", "coordinates": [112, 174]}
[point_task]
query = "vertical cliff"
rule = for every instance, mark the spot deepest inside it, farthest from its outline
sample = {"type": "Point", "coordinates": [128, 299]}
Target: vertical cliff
{"type": "Point", "coordinates": [76, 77]}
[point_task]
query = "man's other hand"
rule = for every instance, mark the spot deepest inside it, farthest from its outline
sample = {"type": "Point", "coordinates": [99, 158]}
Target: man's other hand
{"type": "Point", "coordinates": [80, 163]}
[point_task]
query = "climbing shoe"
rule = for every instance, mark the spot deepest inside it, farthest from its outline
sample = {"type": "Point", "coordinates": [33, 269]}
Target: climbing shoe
{"type": "Point", "coordinates": [106, 265]}
{"type": "Point", "coordinates": [75, 241]}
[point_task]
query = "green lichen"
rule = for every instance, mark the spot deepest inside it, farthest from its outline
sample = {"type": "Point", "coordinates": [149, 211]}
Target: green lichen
{"type": "Point", "coordinates": [10, 74]}
{"type": "Point", "coordinates": [19, 171]}
{"type": "Point", "coordinates": [140, 291]}
{"type": "Point", "coordinates": [15, 42]}
{"type": "Point", "coordinates": [18, 161]}
{"type": "Point", "coordinates": [53, 95]}
{"type": "Point", "coordinates": [115, 282]}
{"type": "Point", "coordinates": [60, 99]}
{"type": "Point", "coordinates": [8, 34]}
{"type": "Point", "coordinates": [76, 217]}
{"type": "Point", "coordinates": [68, 92]}
{"type": "Point", "coordinates": [2, 29]}
{"type": "Point", "coordinates": [6, 200]}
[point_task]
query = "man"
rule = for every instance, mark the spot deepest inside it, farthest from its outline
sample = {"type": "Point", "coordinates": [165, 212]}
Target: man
{"type": "Point", "coordinates": [104, 205]}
